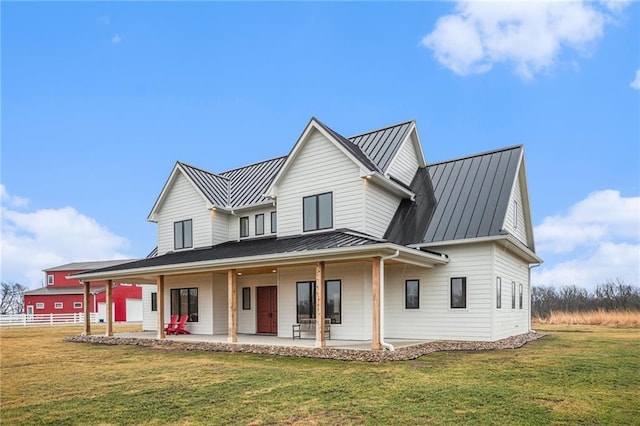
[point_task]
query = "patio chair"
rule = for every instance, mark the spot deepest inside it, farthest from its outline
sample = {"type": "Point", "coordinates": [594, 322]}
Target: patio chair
{"type": "Point", "coordinates": [173, 323]}
{"type": "Point", "coordinates": [180, 326]}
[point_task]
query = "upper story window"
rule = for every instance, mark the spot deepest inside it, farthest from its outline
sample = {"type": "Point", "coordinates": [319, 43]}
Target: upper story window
{"type": "Point", "coordinates": [515, 214]}
{"type": "Point", "coordinates": [50, 279]}
{"type": "Point", "coordinates": [259, 224]}
{"type": "Point", "coordinates": [182, 234]}
{"type": "Point", "coordinates": [244, 226]}
{"type": "Point", "coordinates": [274, 222]}
{"type": "Point", "coordinates": [317, 212]}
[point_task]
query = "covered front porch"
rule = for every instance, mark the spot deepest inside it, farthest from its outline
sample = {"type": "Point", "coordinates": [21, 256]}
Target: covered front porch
{"type": "Point", "coordinates": [215, 276]}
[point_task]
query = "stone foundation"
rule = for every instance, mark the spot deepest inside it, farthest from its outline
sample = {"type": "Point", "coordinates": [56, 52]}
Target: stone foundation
{"type": "Point", "coordinates": [400, 354]}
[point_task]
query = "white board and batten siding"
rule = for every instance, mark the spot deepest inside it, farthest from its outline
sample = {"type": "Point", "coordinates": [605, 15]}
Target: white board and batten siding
{"type": "Point", "coordinates": [183, 202]}
{"type": "Point", "coordinates": [508, 321]}
{"type": "Point", "coordinates": [514, 221]}
{"type": "Point", "coordinates": [435, 319]}
{"type": "Point", "coordinates": [380, 207]}
{"type": "Point", "coordinates": [318, 168]}
{"type": "Point", "coordinates": [405, 164]}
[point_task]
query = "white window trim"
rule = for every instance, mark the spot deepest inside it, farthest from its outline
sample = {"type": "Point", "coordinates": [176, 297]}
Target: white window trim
{"type": "Point", "coordinates": [58, 305]}
{"type": "Point", "coordinates": [50, 279]}
{"type": "Point", "coordinates": [40, 305]}
{"type": "Point", "coordinates": [77, 305]}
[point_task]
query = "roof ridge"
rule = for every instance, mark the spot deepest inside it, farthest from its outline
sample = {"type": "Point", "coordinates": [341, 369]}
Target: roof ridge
{"type": "Point", "coordinates": [252, 164]}
{"type": "Point", "coordinates": [480, 154]}
{"type": "Point", "coordinates": [202, 170]}
{"type": "Point", "coordinates": [381, 129]}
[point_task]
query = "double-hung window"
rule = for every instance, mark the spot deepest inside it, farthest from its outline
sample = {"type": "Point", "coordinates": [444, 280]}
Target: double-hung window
{"type": "Point", "coordinates": [185, 301]}
{"type": "Point", "coordinates": [306, 300]}
{"type": "Point", "coordinates": [459, 292]}
{"type": "Point", "coordinates": [182, 234]}
{"type": "Point", "coordinates": [317, 212]}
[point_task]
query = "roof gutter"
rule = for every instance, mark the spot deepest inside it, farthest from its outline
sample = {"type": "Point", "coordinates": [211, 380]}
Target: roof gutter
{"type": "Point", "coordinates": [411, 256]}
{"type": "Point", "coordinates": [387, 183]}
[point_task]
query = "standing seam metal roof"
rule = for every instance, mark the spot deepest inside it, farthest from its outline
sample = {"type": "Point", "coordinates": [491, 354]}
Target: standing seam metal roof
{"type": "Point", "coordinates": [383, 144]}
{"type": "Point", "coordinates": [471, 197]}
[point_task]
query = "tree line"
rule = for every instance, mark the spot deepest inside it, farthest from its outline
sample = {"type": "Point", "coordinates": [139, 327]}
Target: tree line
{"type": "Point", "coordinates": [609, 296]}
{"type": "Point", "coordinates": [11, 298]}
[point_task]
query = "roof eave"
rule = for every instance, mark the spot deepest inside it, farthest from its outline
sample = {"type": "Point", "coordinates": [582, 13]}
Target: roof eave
{"type": "Point", "coordinates": [389, 184]}
{"type": "Point", "coordinates": [406, 255]}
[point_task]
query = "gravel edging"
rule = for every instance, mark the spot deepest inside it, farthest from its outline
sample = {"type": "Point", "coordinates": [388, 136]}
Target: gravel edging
{"type": "Point", "coordinates": [401, 354]}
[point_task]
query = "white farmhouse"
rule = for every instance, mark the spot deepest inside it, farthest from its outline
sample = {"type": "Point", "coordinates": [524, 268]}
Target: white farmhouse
{"type": "Point", "coordinates": [360, 233]}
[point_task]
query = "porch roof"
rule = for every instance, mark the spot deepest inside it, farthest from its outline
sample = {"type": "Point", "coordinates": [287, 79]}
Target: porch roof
{"type": "Point", "coordinates": [338, 245]}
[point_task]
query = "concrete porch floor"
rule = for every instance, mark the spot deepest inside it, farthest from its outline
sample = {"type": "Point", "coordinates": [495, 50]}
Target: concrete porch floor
{"type": "Point", "coordinates": [269, 340]}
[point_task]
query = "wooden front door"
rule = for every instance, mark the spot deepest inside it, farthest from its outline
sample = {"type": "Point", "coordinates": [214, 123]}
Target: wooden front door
{"type": "Point", "coordinates": [267, 309]}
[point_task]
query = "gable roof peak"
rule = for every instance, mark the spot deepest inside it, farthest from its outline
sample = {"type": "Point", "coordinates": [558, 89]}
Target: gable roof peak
{"type": "Point", "coordinates": [481, 154]}
{"type": "Point", "coordinates": [382, 129]}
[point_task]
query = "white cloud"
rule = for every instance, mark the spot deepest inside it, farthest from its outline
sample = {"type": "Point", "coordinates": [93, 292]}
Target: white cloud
{"type": "Point", "coordinates": [602, 216]}
{"type": "Point", "coordinates": [12, 200]}
{"type": "Point", "coordinates": [34, 240]}
{"type": "Point", "coordinates": [529, 35]}
{"type": "Point", "coordinates": [597, 239]}
{"type": "Point", "coordinates": [116, 39]}
{"type": "Point", "coordinates": [635, 84]}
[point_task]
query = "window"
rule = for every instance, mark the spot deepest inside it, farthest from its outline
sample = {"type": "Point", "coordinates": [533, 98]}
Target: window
{"type": "Point", "coordinates": [515, 214]}
{"type": "Point", "coordinates": [306, 300]}
{"type": "Point", "coordinates": [182, 234]}
{"type": "Point", "coordinates": [520, 302]}
{"type": "Point", "coordinates": [259, 224]}
{"type": "Point", "coordinates": [317, 212]}
{"type": "Point", "coordinates": [498, 292]}
{"type": "Point", "coordinates": [49, 279]}
{"type": "Point", "coordinates": [185, 301]}
{"type": "Point", "coordinates": [513, 294]}
{"type": "Point", "coordinates": [412, 294]}
{"type": "Point", "coordinates": [333, 301]}
{"type": "Point", "coordinates": [459, 292]}
{"type": "Point", "coordinates": [244, 226]}
{"type": "Point", "coordinates": [274, 222]}
{"type": "Point", "coordinates": [57, 305]}
{"type": "Point", "coordinates": [246, 298]}
{"type": "Point", "coordinates": [77, 305]}
{"type": "Point", "coordinates": [39, 305]}
{"type": "Point", "coordinates": [154, 302]}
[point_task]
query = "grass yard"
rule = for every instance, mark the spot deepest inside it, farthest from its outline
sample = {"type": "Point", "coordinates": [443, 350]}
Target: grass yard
{"type": "Point", "coordinates": [577, 374]}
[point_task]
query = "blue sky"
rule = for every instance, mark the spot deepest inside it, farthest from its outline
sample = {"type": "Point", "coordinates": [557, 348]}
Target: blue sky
{"type": "Point", "coordinates": [99, 100]}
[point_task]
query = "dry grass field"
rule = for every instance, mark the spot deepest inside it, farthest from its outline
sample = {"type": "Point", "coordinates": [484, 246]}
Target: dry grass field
{"type": "Point", "coordinates": [600, 317]}
{"type": "Point", "coordinates": [575, 375]}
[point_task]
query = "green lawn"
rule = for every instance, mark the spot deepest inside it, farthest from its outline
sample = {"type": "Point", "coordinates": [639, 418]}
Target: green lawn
{"type": "Point", "coordinates": [575, 375]}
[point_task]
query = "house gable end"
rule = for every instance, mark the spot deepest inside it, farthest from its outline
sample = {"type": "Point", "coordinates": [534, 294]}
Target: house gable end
{"type": "Point", "coordinates": [408, 158]}
{"type": "Point", "coordinates": [517, 219]}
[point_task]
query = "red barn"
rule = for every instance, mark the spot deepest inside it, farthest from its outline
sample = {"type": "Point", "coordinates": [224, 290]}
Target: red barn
{"type": "Point", "coordinates": [65, 296]}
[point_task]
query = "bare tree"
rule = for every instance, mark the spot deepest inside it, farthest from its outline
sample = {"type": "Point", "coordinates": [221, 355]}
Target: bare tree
{"type": "Point", "coordinates": [11, 298]}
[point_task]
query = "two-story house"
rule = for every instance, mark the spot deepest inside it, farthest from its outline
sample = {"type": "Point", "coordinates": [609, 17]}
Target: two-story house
{"type": "Point", "coordinates": [360, 231]}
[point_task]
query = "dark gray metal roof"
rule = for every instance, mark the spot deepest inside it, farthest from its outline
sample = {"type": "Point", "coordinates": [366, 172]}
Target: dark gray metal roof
{"type": "Point", "coordinates": [254, 247]}
{"type": "Point", "coordinates": [471, 199]}
{"type": "Point", "coordinates": [247, 184]}
{"type": "Point", "coordinates": [214, 187]}
{"type": "Point", "coordinates": [85, 266]}
{"type": "Point", "coordinates": [236, 188]}
{"type": "Point", "coordinates": [382, 145]}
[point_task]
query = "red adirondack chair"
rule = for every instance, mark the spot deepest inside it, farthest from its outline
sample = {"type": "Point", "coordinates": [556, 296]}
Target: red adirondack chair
{"type": "Point", "coordinates": [173, 323]}
{"type": "Point", "coordinates": [180, 326]}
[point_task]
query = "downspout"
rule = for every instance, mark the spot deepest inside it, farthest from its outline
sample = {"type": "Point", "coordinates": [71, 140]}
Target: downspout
{"type": "Point", "coordinates": [382, 259]}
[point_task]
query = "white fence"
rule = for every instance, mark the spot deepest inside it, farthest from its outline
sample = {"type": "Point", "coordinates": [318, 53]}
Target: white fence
{"type": "Point", "coordinates": [45, 319]}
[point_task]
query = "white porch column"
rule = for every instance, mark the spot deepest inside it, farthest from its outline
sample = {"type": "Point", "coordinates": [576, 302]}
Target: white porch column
{"type": "Point", "coordinates": [109, 313]}
{"type": "Point", "coordinates": [320, 339]}
{"type": "Point", "coordinates": [232, 306]}
{"type": "Point", "coordinates": [160, 306]}
{"type": "Point", "coordinates": [375, 325]}
{"type": "Point", "coordinates": [87, 309]}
